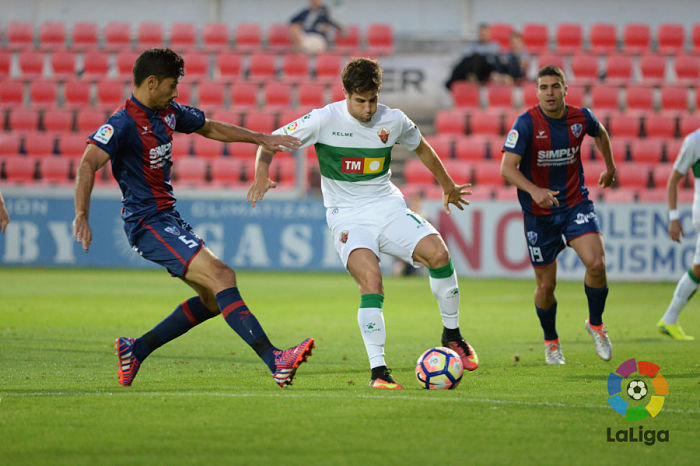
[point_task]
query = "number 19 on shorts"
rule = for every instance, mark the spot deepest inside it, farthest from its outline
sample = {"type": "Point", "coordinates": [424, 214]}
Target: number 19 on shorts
{"type": "Point", "coordinates": [535, 254]}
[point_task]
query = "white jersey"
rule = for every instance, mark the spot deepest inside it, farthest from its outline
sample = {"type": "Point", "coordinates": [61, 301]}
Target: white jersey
{"type": "Point", "coordinates": [689, 158]}
{"type": "Point", "coordinates": [354, 157]}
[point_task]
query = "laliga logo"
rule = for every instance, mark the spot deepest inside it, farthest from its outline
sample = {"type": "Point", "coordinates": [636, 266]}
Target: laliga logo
{"type": "Point", "coordinates": [636, 379]}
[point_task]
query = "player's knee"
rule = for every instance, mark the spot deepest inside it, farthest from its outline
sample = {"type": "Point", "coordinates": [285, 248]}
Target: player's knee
{"type": "Point", "coordinates": [546, 287]}
{"type": "Point", "coordinates": [439, 258]}
{"type": "Point", "coordinates": [371, 283]}
{"type": "Point", "coordinates": [597, 267]}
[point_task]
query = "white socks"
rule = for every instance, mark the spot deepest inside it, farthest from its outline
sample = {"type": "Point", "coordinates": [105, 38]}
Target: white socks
{"type": "Point", "coordinates": [685, 289]}
{"type": "Point", "coordinates": [446, 291]}
{"type": "Point", "coordinates": [371, 322]}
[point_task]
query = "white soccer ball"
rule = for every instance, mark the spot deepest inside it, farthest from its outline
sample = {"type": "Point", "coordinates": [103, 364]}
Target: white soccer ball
{"type": "Point", "coordinates": [637, 389]}
{"type": "Point", "coordinates": [439, 368]}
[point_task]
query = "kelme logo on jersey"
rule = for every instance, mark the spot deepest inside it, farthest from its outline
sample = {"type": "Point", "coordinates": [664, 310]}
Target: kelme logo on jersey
{"type": "Point", "coordinates": [383, 135]}
{"type": "Point", "coordinates": [362, 165]}
{"type": "Point", "coordinates": [576, 129]}
{"type": "Point", "coordinates": [170, 120]}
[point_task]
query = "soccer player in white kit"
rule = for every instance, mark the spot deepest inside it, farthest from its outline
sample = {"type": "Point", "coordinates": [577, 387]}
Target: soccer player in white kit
{"type": "Point", "coordinates": [688, 157]}
{"type": "Point", "coordinates": [366, 213]}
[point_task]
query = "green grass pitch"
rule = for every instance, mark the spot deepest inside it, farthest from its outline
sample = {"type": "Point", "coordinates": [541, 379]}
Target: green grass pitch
{"type": "Point", "coordinates": [206, 398]}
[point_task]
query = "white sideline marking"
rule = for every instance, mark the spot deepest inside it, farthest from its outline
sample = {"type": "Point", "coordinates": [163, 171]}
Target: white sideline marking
{"type": "Point", "coordinates": [129, 392]}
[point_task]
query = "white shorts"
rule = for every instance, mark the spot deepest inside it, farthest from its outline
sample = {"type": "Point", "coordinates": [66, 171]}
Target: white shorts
{"type": "Point", "coordinates": [387, 226]}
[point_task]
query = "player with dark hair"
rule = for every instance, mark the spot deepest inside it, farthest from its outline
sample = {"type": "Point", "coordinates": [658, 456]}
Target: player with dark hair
{"type": "Point", "coordinates": [137, 139]}
{"type": "Point", "coordinates": [366, 213]}
{"type": "Point", "coordinates": [542, 158]}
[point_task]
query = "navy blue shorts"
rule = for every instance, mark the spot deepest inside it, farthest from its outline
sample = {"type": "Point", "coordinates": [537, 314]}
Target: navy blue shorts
{"type": "Point", "coordinates": [166, 239]}
{"type": "Point", "coordinates": [545, 234]}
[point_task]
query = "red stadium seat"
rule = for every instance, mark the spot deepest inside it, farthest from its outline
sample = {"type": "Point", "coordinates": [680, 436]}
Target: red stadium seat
{"type": "Point", "coordinates": [244, 96]}
{"type": "Point", "coordinates": [550, 59]}
{"type": "Point", "coordinates": [441, 144]}
{"type": "Point", "coordinates": [149, 34]}
{"type": "Point", "coordinates": [618, 69]}
{"type": "Point", "coordinates": [11, 94]}
{"type": "Point", "coordinates": [295, 67]}
{"type": "Point", "coordinates": [671, 149]}
{"type": "Point", "coordinates": [183, 36]}
{"type": "Point", "coordinates": [569, 38]}
{"type": "Point", "coordinates": [52, 36]}
{"type": "Point", "coordinates": [20, 35]}
{"type": "Point", "coordinates": [640, 98]}
{"type": "Point", "coordinates": [605, 97]}
{"type": "Point", "coordinates": [190, 172]}
{"type": "Point", "coordinates": [55, 171]}
{"type": "Point", "coordinates": [536, 37]}
{"type": "Point", "coordinates": [117, 35]}
{"type": "Point", "coordinates": [689, 123]}
{"type": "Point", "coordinates": [380, 39]}
{"type": "Point", "coordinates": [31, 65]}
{"type": "Point", "coordinates": [43, 94]}
{"type": "Point", "coordinates": [261, 121]}
{"type": "Point", "coordinates": [687, 68]}
{"type": "Point", "coordinates": [337, 91]}
{"type": "Point", "coordinates": [262, 67]}
{"type": "Point", "coordinates": [110, 95]}
{"type": "Point", "coordinates": [84, 36]}
{"type": "Point", "coordinates": [125, 64]}
{"type": "Point", "coordinates": [621, 195]}
{"type": "Point", "coordinates": [196, 67]}
{"type": "Point", "coordinates": [278, 38]}
{"type": "Point", "coordinates": [415, 173]}
{"type": "Point", "coordinates": [184, 91]}
{"type": "Point", "coordinates": [95, 65]}
{"type": "Point", "coordinates": [459, 170]}
{"type": "Point", "coordinates": [670, 38]}
{"type": "Point", "coordinates": [499, 95]}
{"type": "Point", "coordinates": [58, 120]}
{"type": "Point", "coordinates": [207, 148]}
{"type": "Point", "coordinates": [585, 69]}
{"type": "Point", "coordinates": [311, 95]}
{"type": "Point", "coordinates": [674, 99]}
{"type": "Point", "coordinates": [248, 37]}
{"type": "Point", "coordinates": [88, 120]}
{"type": "Point", "coordinates": [633, 175]}
{"type": "Point", "coordinates": [72, 145]}
{"type": "Point", "coordinates": [277, 96]}
{"type": "Point", "coordinates": [472, 147]}
{"type": "Point", "coordinates": [327, 68]}
{"type": "Point", "coordinates": [487, 172]}
{"type": "Point", "coordinates": [283, 170]}
{"type": "Point", "coordinates": [10, 144]}
{"type": "Point", "coordinates": [215, 37]}
{"type": "Point", "coordinates": [651, 195]}
{"type": "Point", "coordinates": [63, 65]}
{"type": "Point", "coordinates": [20, 170]}
{"type": "Point", "coordinates": [23, 120]}
{"type": "Point", "coordinates": [38, 144]}
{"type": "Point", "coordinates": [624, 125]}
{"type": "Point", "coordinates": [465, 94]}
{"type": "Point", "coordinates": [347, 43]}
{"type": "Point", "coordinates": [501, 33]}
{"type": "Point", "coordinates": [603, 38]}
{"type": "Point", "coordinates": [243, 150]}
{"type": "Point", "coordinates": [77, 94]}
{"type": "Point", "coordinates": [653, 69]}
{"type": "Point", "coordinates": [648, 150]}
{"type": "Point", "coordinates": [485, 123]}
{"type": "Point", "coordinates": [660, 173]}
{"type": "Point", "coordinates": [228, 66]}
{"type": "Point", "coordinates": [576, 95]}
{"type": "Point", "coordinates": [5, 62]}
{"type": "Point", "coordinates": [620, 146]}
{"type": "Point", "coordinates": [636, 38]}
{"type": "Point", "coordinates": [289, 116]}
{"type": "Point", "coordinates": [695, 39]}
{"type": "Point", "coordinates": [228, 172]}
{"type": "Point", "coordinates": [211, 95]}
{"type": "Point", "coordinates": [660, 125]}
{"type": "Point", "coordinates": [450, 122]}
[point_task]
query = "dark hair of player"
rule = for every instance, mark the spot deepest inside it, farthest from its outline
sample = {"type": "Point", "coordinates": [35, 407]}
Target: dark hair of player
{"type": "Point", "coordinates": [551, 70]}
{"type": "Point", "coordinates": [162, 63]}
{"type": "Point", "coordinates": [362, 75]}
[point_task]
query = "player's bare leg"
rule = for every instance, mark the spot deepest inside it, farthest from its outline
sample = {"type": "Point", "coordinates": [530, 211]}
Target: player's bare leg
{"type": "Point", "coordinates": [546, 307]}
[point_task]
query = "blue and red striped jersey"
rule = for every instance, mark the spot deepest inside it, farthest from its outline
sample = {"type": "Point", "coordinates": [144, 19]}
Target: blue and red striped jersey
{"type": "Point", "coordinates": [551, 154]}
{"type": "Point", "coordinates": [139, 143]}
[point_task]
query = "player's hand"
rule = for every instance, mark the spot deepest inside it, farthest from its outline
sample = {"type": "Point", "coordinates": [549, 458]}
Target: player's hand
{"type": "Point", "coordinates": [82, 231]}
{"type": "Point", "coordinates": [675, 230]}
{"type": "Point", "coordinates": [545, 198]}
{"type": "Point", "coordinates": [4, 219]}
{"type": "Point", "coordinates": [606, 178]}
{"type": "Point", "coordinates": [278, 142]}
{"type": "Point", "coordinates": [257, 190]}
{"type": "Point", "coordinates": [456, 196]}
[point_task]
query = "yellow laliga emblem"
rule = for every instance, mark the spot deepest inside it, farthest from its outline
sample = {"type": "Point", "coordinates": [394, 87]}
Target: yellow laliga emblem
{"type": "Point", "coordinates": [373, 165]}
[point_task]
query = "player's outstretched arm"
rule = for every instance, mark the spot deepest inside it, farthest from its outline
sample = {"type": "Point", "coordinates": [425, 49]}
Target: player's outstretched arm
{"type": "Point", "coordinates": [93, 159]}
{"type": "Point", "coordinates": [262, 182]}
{"type": "Point", "coordinates": [4, 216]}
{"type": "Point", "coordinates": [451, 192]}
{"type": "Point", "coordinates": [226, 132]}
{"type": "Point", "coordinates": [543, 197]}
{"type": "Point", "coordinates": [602, 142]}
{"type": "Point", "coordinates": [675, 229]}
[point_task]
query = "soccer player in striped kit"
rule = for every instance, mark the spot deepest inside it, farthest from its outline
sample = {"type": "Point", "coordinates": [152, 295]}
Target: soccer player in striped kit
{"type": "Point", "coordinates": [542, 158]}
{"type": "Point", "coordinates": [367, 214]}
{"type": "Point", "coordinates": [137, 139]}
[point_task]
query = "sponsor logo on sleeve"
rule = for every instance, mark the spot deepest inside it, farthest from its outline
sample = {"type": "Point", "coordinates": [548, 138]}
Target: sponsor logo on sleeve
{"type": "Point", "coordinates": [292, 126]}
{"type": "Point", "coordinates": [512, 139]}
{"type": "Point", "coordinates": [104, 134]}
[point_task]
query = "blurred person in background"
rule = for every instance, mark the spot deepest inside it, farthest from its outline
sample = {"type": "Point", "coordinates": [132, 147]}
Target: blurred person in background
{"type": "Point", "coordinates": [310, 27]}
{"type": "Point", "coordinates": [513, 63]}
{"type": "Point", "coordinates": [478, 61]}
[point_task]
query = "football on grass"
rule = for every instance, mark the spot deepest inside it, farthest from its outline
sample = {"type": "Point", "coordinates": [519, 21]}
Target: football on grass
{"type": "Point", "coordinates": [439, 369]}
